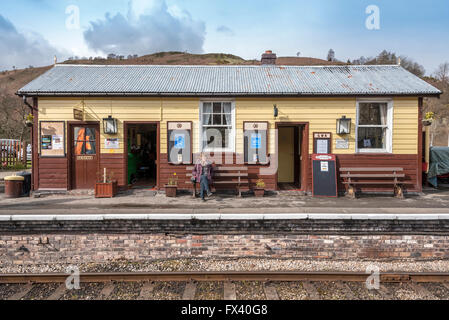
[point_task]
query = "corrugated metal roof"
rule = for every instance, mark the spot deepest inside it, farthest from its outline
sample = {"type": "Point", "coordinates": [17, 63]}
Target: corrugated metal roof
{"type": "Point", "coordinates": [228, 80]}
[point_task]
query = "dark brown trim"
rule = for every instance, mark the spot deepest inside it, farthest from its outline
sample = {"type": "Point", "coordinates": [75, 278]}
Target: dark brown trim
{"type": "Point", "coordinates": [125, 147]}
{"type": "Point", "coordinates": [70, 125]}
{"type": "Point", "coordinates": [419, 172]}
{"type": "Point", "coordinates": [304, 152]}
{"type": "Point", "coordinates": [267, 138]}
{"type": "Point", "coordinates": [191, 140]}
{"type": "Point", "coordinates": [34, 146]}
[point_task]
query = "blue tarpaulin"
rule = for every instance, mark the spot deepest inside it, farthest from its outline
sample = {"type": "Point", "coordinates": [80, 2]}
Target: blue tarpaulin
{"type": "Point", "coordinates": [439, 164]}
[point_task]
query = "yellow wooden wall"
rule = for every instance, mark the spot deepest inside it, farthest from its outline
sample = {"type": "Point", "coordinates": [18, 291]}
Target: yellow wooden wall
{"type": "Point", "coordinates": [321, 113]}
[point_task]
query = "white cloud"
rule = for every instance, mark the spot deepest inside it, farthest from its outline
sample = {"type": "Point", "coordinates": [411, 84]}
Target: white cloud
{"type": "Point", "coordinates": [144, 31]}
{"type": "Point", "coordinates": [21, 50]}
{"type": "Point", "coordinates": [225, 30]}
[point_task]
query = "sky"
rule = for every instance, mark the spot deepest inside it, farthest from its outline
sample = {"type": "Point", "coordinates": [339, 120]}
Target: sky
{"type": "Point", "coordinates": [33, 31]}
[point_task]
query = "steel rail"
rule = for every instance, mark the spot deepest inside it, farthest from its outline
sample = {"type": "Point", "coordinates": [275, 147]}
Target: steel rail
{"type": "Point", "coordinates": [224, 276]}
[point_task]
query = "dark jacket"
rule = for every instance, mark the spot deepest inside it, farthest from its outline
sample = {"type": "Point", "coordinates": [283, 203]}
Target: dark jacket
{"type": "Point", "coordinates": [198, 169]}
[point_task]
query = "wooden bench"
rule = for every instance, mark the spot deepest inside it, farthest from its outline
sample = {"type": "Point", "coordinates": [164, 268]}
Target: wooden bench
{"type": "Point", "coordinates": [237, 176]}
{"type": "Point", "coordinates": [383, 176]}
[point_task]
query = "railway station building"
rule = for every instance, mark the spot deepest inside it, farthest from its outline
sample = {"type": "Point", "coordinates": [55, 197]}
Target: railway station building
{"type": "Point", "coordinates": [144, 123]}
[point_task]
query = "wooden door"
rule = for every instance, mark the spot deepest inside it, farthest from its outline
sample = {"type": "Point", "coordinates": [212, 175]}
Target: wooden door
{"type": "Point", "coordinates": [85, 152]}
{"type": "Point", "coordinates": [286, 167]}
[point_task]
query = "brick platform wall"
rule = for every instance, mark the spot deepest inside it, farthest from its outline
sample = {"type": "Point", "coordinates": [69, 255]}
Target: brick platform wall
{"type": "Point", "coordinates": [100, 247]}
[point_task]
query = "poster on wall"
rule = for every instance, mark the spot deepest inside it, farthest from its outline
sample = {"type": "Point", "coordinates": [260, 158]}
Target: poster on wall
{"type": "Point", "coordinates": [111, 143]}
{"type": "Point", "coordinates": [52, 138]}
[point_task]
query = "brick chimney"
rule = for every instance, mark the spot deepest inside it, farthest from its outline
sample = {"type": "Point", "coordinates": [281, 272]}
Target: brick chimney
{"type": "Point", "coordinates": [269, 58]}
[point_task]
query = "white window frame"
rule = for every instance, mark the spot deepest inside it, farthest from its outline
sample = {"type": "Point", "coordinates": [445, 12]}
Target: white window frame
{"type": "Point", "coordinates": [231, 147]}
{"type": "Point", "coordinates": [389, 127]}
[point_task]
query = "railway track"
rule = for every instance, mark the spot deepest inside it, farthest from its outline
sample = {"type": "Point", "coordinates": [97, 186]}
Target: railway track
{"type": "Point", "coordinates": [225, 285]}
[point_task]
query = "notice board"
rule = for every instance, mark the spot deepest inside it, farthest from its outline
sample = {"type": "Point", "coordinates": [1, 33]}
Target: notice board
{"type": "Point", "coordinates": [52, 139]}
{"type": "Point", "coordinates": [255, 142]}
{"type": "Point", "coordinates": [324, 173]}
{"type": "Point", "coordinates": [179, 142]}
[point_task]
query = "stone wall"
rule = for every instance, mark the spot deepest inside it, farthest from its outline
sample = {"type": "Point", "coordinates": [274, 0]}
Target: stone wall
{"type": "Point", "coordinates": [425, 240]}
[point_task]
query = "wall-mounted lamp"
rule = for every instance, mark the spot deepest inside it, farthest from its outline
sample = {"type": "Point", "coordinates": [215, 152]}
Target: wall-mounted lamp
{"type": "Point", "coordinates": [344, 125]}
{"type": "Point", "coordinates": [110, 125]}
{"type": "Point", "coordinates": [275, 111]}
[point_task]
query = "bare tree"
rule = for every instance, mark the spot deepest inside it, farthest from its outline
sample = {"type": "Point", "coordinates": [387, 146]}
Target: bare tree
{"type": "Point", "coordinates": [331, 55]}
{"type": "Point", "coordinates": [442, 73]}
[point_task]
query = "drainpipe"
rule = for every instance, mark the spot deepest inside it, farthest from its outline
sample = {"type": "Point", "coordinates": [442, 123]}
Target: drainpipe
{"type": "Point", "coordinates": [33, 146]}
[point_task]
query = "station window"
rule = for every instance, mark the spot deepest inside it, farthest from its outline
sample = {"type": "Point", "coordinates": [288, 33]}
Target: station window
{"type": "Point", "coordinates": [217, 126]}
{"type": "Point", "coordinates": [374, 126]}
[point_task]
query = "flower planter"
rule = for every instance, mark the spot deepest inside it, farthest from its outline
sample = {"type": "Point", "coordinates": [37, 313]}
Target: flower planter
{"type": "Point", "coordinates": [426, 123]}
{"type": "Point", "coordinates": [106, 190]}
{"type": "Point", "coordinates": [259, 192]}
{"type": "Point", "coordinates": [170, 191]}
{"type": "Point", "coordinates": [29, 123]}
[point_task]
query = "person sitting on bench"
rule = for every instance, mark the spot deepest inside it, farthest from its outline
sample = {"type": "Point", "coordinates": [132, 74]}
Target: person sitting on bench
{"type": "Point", "coordinates": [202, 172]}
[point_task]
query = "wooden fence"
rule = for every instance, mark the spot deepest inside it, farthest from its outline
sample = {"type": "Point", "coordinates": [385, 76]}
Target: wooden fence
{"type": "Point", "coordinates": [12, 153]}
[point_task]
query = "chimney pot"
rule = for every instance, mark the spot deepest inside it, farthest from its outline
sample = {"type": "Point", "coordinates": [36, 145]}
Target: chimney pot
{"type": "Point", "coordinates": [268, 58]}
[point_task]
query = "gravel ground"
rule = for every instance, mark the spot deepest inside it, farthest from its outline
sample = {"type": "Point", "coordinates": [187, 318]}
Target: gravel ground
{"type": "Point", "coordinates": [402, 291]}
{"type": "Point", "coordinates": [291, 291]}
{"type": "Point", "coordinates": [237, 264]}
{"type": "Point", "coordinates": [87, 291]}
{"type": "Point", "coordinates": [209, 291]}
{"type": "Point", "coordinates": [331, 291]}
{"type": "Point", "coordinates": [41, 291]}
{"type": "Point", "coordinates": [361, 292]}
{"type": "Point", "coordinates": [126, 291]}
{"type": "Point", "coordinates": [7, 290]}
{"type": "Point", "coordinates": [168, 290]}
{"type": "Point", "coordinates": [249, 290]}
{"type": "Point", "coordinates": [438, 290]}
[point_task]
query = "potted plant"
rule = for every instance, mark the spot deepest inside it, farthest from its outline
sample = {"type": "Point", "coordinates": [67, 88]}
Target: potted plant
{"type": "Point", "coordinates": [428, 119]}
{"type": "Point", "coordinates": [29, 120]}
{"type": "Point", "coordinates": [259, 190]}
{"type": "Point", "coordinates": [172, 186]}
{"type": "Point", "coordinates": [106, 185]}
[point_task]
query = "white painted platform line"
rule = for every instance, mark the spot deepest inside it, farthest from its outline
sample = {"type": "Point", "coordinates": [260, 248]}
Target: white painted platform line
{"type": "Point", "coordinates": [311, 290]}
{"type": "Point", "coordinates": [106, 291]}
{"type": "Point", "coordinates": [229, 291]}
{"type": "Point", "coordinates": [270, 291]}
{"type": "Point", "coordinates": [58, 293]}
{"type": "Point", "coordinates": [22, 293]}
{"type": "Point", "coordinates": [189, 291]}
{"type": "Point", "coordinates": [146, 291]}
{"type": "Point", "coordinates": [234, 216]}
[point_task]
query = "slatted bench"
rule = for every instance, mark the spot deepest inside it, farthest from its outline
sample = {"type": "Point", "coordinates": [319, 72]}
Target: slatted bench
{"type": "Point", "coordinates": [237, 176]}
{"type": "Point", "coordinates": [382, 176]}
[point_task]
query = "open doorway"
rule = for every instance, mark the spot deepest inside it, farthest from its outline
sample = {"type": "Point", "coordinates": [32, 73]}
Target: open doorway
{"type": "Point", "coordinates": [292, 156]}
{"type": "Point", "coordinates": [142, 155]}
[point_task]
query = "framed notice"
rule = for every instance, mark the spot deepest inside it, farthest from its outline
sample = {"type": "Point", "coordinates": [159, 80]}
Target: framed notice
{"type": "Point", "coordinates": [52, 139]}
{"type": "Point", "coordinates": [322, 142]}
{"type": "Point", "coordinates": [255, 142]}
{"type": "Point", "coordinates": [179, 142]}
